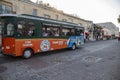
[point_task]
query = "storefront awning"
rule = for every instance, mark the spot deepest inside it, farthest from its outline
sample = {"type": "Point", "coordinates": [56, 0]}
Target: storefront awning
{"type": "Point", "coordinates": [87, 33]}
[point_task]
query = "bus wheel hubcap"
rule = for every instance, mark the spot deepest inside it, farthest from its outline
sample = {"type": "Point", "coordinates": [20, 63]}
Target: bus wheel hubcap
{"type": "Point", "coordinates": [27, 54]}
{"type": "Point", "coordinates": [73, 47]}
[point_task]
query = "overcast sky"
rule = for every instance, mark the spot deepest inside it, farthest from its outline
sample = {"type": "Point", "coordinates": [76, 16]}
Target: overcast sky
{"type": "Point", "coordinates": [97, 11]}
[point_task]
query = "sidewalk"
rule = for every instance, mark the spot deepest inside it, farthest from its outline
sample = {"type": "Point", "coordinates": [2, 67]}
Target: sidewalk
{"type": "Point", "coordinates": [93, 41]}
{"type": "Point", "coordinates": [0, 51]}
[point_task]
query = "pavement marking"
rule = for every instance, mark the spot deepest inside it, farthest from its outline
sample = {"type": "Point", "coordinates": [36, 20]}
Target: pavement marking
{"type": "Point", "coordinates": [91, 59]}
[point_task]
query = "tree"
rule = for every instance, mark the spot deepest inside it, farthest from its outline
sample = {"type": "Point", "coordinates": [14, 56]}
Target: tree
{"type": "Point", "coordinates": [119, 19]}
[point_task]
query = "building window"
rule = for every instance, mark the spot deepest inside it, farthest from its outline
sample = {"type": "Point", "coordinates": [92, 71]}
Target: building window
{"type": "Point", "coordinates": [0, 8]}
{"type": "Point", "coordinates": [46, 16]}
{"type": "Point", "coordinates": [71, 20]}
{"type": "Point", "coordinates": [34, 12]}
{"type": "Point", "coordinates": [8, 9]}
{"type": "Point", "coordinates": [64, 20]}
{"type": "Point", "coordinates": [57, 17]}
{"type": "Point", "coordinates": [5, 9]}
{"type": "Point", "coordinates": [80, 24]}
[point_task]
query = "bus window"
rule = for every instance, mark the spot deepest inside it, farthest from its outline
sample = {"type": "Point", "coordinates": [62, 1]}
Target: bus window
{"type": "Point", "coordinates": [56, 31]}
{"type": "Point", "coordinates": [79, 32]}
{"type": "Point", "coordinates": [10, 29]}
{"type": "Point", "coordinates": [21, 29]}
{"type": "Point", "coordinates": [67, 31]}
{"type": "Point", "coordinates": [1, 32]}
{"type": "Point", "coordinates": [1, 28]}
{"type": "Point", "coordinates": [72, 31]}
{"type": "Point", "coordinates": [50, 30]}
{"type": "Point", "coordinates": [25, 29]}
{"type": "Point", "coordinates": [31, 31]}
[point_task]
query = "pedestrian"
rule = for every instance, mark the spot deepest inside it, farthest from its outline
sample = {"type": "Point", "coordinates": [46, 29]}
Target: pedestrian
{"type": "Point", "coordinates": [119, 38]}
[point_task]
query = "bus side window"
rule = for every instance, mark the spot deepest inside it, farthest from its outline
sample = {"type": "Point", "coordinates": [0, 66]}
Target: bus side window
{"type": "Point", "coordinates": [79, 32]}
{"type": "Point", "coordinates": [10, 29]}
{"type": "Point", "coordinates": [21, 29]}
{"type": "Point", "coordinates": [31, 27]}
{"type": "Point", "coordinates": [56, 32]}
{"type": "Point", "coordinates": [44, 32]}
{"type": "Point", "coordinates": [67, 32]}
{"type": "Point", "coordinates": [72, 31]}
{"type": "Point", "coordinates": [50, 31]}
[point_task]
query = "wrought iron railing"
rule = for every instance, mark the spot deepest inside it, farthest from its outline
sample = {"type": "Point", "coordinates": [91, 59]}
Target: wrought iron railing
{"type": "Point", "coordinates": [7, 12]}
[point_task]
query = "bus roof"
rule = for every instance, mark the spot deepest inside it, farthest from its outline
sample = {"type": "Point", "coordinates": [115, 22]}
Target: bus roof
{"type": "Point", "coordinates": [11, 15]}
{"type": "Point", "coordinates": [40, 18]}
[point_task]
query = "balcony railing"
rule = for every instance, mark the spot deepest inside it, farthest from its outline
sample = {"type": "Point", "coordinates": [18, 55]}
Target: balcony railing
{"type": "Point", "coordinates": [7, 12]}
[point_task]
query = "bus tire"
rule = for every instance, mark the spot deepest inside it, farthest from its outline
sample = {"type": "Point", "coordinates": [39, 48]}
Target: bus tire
{"type": "Point", "coordinates": [73, 47]}
{"type": "Point", "coordinates": [27, 53]}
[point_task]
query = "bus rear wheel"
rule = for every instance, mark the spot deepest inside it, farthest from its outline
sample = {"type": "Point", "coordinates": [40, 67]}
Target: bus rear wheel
{"type": "Point", "coordinates": [73, 47]}
{"type": "Point", "coordinates": [27, 53]}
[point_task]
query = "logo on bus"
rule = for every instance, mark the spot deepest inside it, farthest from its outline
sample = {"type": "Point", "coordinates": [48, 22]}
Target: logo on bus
{"type": "Point", "coordinates": [45, 45]}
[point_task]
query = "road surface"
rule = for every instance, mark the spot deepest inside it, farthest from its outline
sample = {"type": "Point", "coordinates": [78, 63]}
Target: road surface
{"type": "Point", "coordinates": [98, 60]}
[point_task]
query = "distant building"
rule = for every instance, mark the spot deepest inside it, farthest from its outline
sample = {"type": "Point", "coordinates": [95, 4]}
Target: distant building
{"type": "Point", "coordinates": [97, 32]}
{"type": "Point", "coordinates": [112, 27]}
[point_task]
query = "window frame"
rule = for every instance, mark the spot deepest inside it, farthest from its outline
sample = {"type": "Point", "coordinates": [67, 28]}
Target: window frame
{"type": "Point", "coordinates": [51, 26]}
{"type": "Point", "coordinates": [7, 20]}
{"type": "Point", "coordinates": [4, 8]}
{"type": "Point", "coordinates": [37, 29]}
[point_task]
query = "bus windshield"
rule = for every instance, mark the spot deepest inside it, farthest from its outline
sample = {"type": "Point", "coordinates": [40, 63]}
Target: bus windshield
{"type": "Point", "coordinates": [8, 27]}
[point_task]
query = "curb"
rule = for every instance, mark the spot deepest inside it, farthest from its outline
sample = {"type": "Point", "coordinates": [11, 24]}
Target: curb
{"type": "Point", "coordinates": [93, 41]}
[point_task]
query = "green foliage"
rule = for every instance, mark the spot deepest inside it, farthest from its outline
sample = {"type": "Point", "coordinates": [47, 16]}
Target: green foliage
{"type": "Point", "coordinates": [119, 20]}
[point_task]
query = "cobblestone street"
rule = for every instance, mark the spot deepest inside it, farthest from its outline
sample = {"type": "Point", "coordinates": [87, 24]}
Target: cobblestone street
{"type": "Point", "coordinates": [98, 60]}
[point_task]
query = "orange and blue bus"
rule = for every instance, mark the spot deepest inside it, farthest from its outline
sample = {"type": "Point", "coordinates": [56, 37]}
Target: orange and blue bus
{"type": "Point", "coordinates": [25, 35]}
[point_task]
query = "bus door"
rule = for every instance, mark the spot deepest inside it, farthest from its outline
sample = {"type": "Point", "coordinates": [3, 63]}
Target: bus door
{"type": "Point", "coordinates": [1, 23]}
{"type": "Point", "coordinates": [8, 33]}
{"type": "Point", "coordinates": [79, 36]}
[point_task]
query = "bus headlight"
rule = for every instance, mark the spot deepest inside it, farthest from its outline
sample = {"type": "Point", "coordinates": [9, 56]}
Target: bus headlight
{"type": "Point", "coordinates": [7, 47]}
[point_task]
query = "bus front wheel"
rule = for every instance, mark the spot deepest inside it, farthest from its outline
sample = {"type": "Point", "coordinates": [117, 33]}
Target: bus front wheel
{"type": "Point", "coordinates": [73, 47]}
{"type": "Point", "coordinates": [27, 53]}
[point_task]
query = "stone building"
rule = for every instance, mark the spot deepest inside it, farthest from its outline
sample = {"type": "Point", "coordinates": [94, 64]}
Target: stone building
{"type": "Point", "coordinates": [112, 27]}
{"type": "Point", "coordinates": [97, 32]}
{"type": "Point", "coordinates": [43, 10]}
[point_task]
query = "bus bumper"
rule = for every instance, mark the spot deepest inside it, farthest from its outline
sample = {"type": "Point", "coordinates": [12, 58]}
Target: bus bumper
{"type": "Point", "coordinates": [5, 54]}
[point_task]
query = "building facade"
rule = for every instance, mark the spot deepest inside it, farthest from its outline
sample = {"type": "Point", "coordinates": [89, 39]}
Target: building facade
{"type": "Point", "coordinates": [43, 10]}
{"type": "Point", "coordinates": [114, 30]}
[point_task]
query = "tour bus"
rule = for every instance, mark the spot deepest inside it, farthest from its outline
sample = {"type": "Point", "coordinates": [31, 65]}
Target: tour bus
{"type": "Point", "coordinates": [25, 35]}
